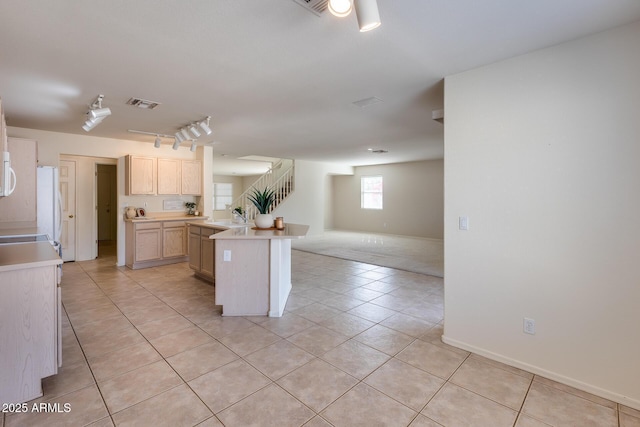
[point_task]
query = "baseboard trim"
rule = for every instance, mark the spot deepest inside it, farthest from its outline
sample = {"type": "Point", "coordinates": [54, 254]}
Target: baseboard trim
{"type": "Point", "coordinates": [597, 391]}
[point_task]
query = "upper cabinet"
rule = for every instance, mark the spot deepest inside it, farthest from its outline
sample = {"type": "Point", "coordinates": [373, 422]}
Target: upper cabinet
{"type": "Point", "coordinates": [169, 171]}
{"type": "Point", "coordinates": [192, 177]}
{"type": "Point", "coordinates": [19, 209]}
{"type": "Point", "coordinates": [140, 175]}
{"type": "Point", "coordinates": [149, 175]}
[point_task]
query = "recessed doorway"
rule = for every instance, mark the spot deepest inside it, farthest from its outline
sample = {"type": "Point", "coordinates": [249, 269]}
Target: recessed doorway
{"type": "Point", "coordinates": [106, 206]}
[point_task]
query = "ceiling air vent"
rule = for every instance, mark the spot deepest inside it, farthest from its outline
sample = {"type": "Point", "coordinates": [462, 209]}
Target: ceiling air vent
{"type": "Point", "coordinates": [317, 7]}
{"type": "Point", "coordinates": [143, 103]}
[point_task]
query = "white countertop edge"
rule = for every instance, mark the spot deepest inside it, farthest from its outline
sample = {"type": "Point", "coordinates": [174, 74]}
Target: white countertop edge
{"type": "Point", "coordinates": [291, 231]}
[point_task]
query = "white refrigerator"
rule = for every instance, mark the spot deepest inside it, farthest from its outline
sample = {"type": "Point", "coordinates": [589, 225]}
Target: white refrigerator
{"type": "Point", "coordinates": [49, 206]}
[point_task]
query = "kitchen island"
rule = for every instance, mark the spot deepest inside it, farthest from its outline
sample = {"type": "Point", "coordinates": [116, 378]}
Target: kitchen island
{"type": "Point", "coordinates": [202, 249]}
{"type": "Point", "coordinates": [30, 319]}
{"type": "Point", "coordinates": [253, 269]}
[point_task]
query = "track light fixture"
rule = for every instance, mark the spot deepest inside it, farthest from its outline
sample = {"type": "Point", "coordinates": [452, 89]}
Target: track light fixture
{"type": "Point", "coordinates": [187, 133]}
{"type": "Point", "coordinates": [96, 114]}
{"type": "Point", "coordinates": [366, 12]}
{"type": "Point", "coordinates": [194, 131]}
{"type": "Point", "coordinates": [204, 125]}
{"type": "Point", "coordinates": [339, 8]}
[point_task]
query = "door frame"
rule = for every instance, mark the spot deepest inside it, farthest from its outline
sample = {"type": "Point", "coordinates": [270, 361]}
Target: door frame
{"type": "Point", "coordinates": [114, 232]}
{"type": "Point", "coordinates": [86, 185]}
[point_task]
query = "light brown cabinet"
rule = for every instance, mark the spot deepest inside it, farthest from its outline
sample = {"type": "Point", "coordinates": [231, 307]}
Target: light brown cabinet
{"type": "Point", "coordinates": [140, 175]}
{"type": "Point", "coordinates": [174, 239]}
{"type": "Point", "coordinates": [169, 173]}
{"type": "Point", "coordinates": [19, 209]}
{"type": "Point", "coordinates": [30, 315]}
{"type": "Point", "coordinates": [150, 175]}
{"type": "Point", "coordinates": [191, 177]}
{"type": "Point", "coordinates": [152, 243]}
{"type": "Point", "coordinates": [202, 251]}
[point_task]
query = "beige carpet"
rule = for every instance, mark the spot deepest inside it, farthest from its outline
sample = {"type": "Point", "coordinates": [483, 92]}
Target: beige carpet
{"type": "Point", "coordinates": [419, 255]}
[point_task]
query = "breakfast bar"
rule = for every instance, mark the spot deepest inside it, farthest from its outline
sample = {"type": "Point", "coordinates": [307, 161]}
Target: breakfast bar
{"type": "Point", "coordinates": [253, 269]}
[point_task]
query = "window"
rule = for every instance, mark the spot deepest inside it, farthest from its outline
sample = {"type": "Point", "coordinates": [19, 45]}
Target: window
{"type": "Point", "coordinates": [222, 195]}
{"type": "Point", "coordinates": [371, 192]}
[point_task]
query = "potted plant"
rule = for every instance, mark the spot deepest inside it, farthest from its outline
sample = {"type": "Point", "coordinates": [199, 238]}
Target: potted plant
{"type": "Point", "coordinates": [190, 206]}
{"type": "Point", "coordinates": [263, 200]}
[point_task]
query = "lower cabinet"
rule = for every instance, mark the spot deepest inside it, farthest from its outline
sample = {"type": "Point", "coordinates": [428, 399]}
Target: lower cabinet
{"type": "Point", "coordinates": [152, 243]}
{"type": "Point", "coordinates": [30, 331]}
{"type": "Point", "coordinates": [202, 252]}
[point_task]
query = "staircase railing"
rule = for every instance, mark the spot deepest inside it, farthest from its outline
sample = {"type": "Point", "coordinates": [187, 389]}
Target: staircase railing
{"type": "Point", "coordinates": [279, 178]}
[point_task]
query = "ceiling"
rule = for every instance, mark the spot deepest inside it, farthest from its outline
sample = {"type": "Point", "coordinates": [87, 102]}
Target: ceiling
{"type": "Point", "coordinates": [276, 79]}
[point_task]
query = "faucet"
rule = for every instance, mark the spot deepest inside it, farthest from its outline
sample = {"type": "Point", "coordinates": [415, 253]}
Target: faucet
{"type": "Point", "coordinates": [239, 215]}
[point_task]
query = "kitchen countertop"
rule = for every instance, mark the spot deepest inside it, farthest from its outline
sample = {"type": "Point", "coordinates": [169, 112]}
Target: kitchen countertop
{"type": "Point", "coordinates": [29, 231]}
{"type": "Point", "coordinates": [168, 218]}
{"type": "Point", "coordinates": [27, 255]}
{"type": "Point", "coordinates": [218, 225]}
{"type": "Point", "coordinates": [291, 231]}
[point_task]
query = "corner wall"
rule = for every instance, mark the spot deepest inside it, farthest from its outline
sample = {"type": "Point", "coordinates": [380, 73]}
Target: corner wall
{"type": "Point", "coordinates": [541, 153]}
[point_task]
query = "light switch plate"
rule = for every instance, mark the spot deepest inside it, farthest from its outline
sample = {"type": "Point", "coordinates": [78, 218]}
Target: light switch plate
{"type": "Point", "coordinates": [226, 256]}
{"type": "Point", "coordinates": [463, 223]}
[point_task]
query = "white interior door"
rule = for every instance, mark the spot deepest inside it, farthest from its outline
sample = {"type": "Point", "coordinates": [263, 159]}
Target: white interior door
{"type": "Point", "coordinates": [68, 199]}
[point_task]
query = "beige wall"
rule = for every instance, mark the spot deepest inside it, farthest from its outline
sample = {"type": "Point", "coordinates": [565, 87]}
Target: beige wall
{"type": "Point", "coordinates": [53, 145]}
{"type": "Point", "coordinates": [541, 152]}
{"type": "Point", "coordinates": [237, 191]}
{"type": "Point", "coordinates": [308, 203]}
{"type": "Point", "coordinates": [412, 206]}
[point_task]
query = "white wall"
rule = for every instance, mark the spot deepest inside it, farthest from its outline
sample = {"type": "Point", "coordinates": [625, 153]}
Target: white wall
{"type": "Point", "coordinates": [542, 153]}
{"type": "Point", "coordinates": [53, 145]}
{"type": "Point", "coordinates": [413, 202]}
{"type": "Point", "coordinates": [307, 204]}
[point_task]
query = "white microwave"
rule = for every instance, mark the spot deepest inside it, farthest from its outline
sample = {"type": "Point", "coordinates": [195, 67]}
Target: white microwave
{"type": "Point", "coordinates": [7, 175]}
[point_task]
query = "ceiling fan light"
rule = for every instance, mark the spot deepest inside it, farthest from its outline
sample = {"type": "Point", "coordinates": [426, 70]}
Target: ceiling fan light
{"type": "Point", "coordinates": [194, 131]}
{"type": "Point", "coordinates": [205, 127]}
{"type": "Point", "coordinates": [367, 13]}
{"type": "Point", "coordinates": [157, 142]}
{"type": "Point", "coordinates": [176, 144]}
{"type": "Point", "coordinates": [340, 8]}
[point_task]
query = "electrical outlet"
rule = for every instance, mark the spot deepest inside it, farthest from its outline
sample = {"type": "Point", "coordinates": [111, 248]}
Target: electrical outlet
{"type": "Point", "coordinates": [226, 255]}
{"type": "Point", "coordinates": [529, 326]}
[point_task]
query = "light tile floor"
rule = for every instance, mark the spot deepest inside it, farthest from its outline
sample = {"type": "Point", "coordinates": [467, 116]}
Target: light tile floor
{"type": "Point", "coordinates": [359, 345]}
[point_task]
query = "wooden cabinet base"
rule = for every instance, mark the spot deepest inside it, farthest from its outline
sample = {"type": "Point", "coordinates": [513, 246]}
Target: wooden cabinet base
{"type": "Point", "coordinates": [157, 262]}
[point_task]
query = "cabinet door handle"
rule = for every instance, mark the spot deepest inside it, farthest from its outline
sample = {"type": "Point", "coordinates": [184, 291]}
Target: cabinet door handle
{"type": "Point", "coordinates": [70, 216]}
